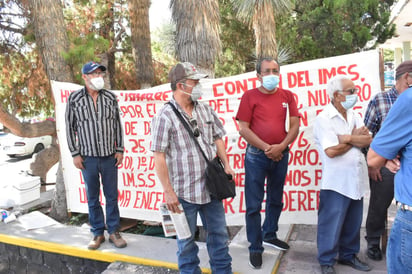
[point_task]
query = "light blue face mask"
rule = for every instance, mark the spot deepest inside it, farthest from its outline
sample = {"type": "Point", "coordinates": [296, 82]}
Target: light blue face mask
{"type": "Point", "coordinates": [350, 101]}
{"type": "Point", "coordinates": [270, 82]}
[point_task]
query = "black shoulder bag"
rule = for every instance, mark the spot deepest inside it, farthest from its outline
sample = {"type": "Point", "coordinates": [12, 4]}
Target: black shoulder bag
{"type": "Point", "coordinates": [220, 184]}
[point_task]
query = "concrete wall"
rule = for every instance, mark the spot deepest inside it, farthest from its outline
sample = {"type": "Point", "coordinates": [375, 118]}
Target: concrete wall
{"type": "Point", "coordinates": [22, 260]}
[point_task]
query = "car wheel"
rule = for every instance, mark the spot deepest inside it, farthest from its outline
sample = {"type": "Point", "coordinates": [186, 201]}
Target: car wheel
{"type": "Point", "coordinates": [38, 148]}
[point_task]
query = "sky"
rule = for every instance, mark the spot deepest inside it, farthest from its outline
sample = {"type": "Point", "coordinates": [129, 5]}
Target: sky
{"type": "Point", "coordinates": [159, 13]}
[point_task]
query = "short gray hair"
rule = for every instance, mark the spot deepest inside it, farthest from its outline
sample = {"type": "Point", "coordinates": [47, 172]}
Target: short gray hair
{"type": "Point", "coordinates": [335, 84]}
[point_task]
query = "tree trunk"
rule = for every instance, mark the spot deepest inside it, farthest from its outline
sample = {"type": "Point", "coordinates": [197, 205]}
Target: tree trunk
{"type": "Point", "coordinates": [59, 203]}
{"type": "Point", "coordinates": [264, 26]}
{"type": "Point", "coordinates": [197, 32]}
{"type": "Point", "coordinates": [141, 43]}
{"type": "Point", "coordinates": [51, 40]}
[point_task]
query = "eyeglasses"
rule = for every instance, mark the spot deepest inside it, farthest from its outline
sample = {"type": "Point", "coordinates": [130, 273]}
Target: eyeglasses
{"type": "Point", "coordinates": [193, 123]}
{"type": "Point", "coordinates": [97, 73]}
{"type": "Point", "coordinates": [350, 90]}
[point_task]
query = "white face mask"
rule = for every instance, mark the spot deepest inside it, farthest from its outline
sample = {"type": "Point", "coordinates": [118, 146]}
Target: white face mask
{"type": "Point", "coordinates": [97, 83]}
{"type": "Point", "coordinates": [196, 92]}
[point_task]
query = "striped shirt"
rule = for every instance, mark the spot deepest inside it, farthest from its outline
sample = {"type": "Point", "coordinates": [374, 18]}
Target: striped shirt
{"type": "Point", "coordinates": [378, 109]}
{"type": "Point", "coordinates": [91, 131]}
{"type": "Point", "coordinates": [186, 165]}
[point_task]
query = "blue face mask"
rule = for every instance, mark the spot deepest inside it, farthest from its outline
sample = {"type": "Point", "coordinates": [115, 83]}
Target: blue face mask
{"type": "Point", "coordinates": [270, 82]}
{"type": "Point", "coordinates": [350, 101]}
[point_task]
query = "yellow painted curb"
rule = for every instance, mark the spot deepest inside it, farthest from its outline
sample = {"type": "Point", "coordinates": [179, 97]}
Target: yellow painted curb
{"type": "Point", "coordinates": [85, 253]}
{"type": "Point", "coordinates": [279, 258]}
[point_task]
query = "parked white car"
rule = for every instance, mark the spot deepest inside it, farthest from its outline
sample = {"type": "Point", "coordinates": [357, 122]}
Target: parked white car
{"type": "Point", "coordinates": [15, 146]}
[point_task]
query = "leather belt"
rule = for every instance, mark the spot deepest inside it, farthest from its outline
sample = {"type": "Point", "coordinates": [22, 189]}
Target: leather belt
{"type": "Point", "coordinates": [404, 207]}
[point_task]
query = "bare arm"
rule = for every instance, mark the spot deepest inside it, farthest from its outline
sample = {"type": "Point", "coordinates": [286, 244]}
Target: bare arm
{"type": "Point", "coordinates": [375, 160]}
{"type": "Point", "coordinates": [250, 136]}
{"type": "Point", "coordinates": [360, 137]}
{"type": "Point", "coordinates": [221, 152]}
{"type": "Point", "coordinates": [162, 173]}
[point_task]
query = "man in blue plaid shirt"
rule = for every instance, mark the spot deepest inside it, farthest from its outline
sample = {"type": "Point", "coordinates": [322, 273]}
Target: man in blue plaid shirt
{"type": "Point", "coordinates": [381, 180]}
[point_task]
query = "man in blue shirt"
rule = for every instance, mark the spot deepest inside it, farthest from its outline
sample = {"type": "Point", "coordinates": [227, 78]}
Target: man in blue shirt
{"type": "Point", "coordinates": [393, 139]}
{"type": "Point", "coordinates": [381, 180]}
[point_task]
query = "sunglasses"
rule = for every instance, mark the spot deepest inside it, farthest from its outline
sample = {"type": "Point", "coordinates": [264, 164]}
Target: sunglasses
{"type": "Point", "coordinates": [350, 90]}
{"type": "Point", "coordinates": [193, 123]}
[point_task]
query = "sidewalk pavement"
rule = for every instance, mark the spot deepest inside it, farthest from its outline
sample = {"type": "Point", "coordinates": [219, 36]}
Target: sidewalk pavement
{"type": "Point", "coordinates": [302, 255]}
{"type": "Point", "coordinates": [160, 253]}
{"type": "Point", "coordinates": [155, 252]}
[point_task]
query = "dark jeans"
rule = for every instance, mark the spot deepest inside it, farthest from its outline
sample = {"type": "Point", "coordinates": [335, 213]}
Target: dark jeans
{"type": "Point", "coordinates": [380, 199]}
{"type": "Point", "coordinates": [339, 222]}
{"type": "Point", "coordinates": [257, 168]}
{"type": "Point", "coordinates": [217, 240]}
{"type": "Point", "coordinates": [104, 167]}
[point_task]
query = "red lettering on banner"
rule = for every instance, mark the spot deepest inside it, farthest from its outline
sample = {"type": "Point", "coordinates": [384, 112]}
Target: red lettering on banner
{"type": "Point", "coordinates": [82, 195]}
{"type": "Point", "coordinates": [304, 157]}
{"type": "Point", "coordinates": [134, 111]}
{"type": "Point", "coordinates": [130, 127]}
{"type": "Point", "coordinates": [147, 127]}
{"type": "Point", "coordinates": [158, 96]}
{"type": "Point", "coordinates": [299, 200]}
{"type": "Point", "coordinates": [138, 146]}
{"type": "Point", "coordinates": [320, 98]}
{"type": "Point", "coordinates": [325, 75]}
{"type": "Point", "coordinates": [233, 87]}
{"type": "Point", "coordinates": [303, 121]}
{"type": "Point", "coordinates": [128, 179]}
{"type": "Point", "coordinates": [227, 204]}
{"type": "Point", "coordinates": [145, 163]}
{"type": "Point", "coordinates": [221, 106]}
{"type": "Point", "coordinates": [215, 92]}
{"type": "Point", "coordinates": [299, 79]}
{"type": "Point", "coordinates": [148, 181]}
{"type": "Point", "coordinates": [240, 179]}
{"type": "Point", "coordinates": [297, 177]}
{"type": "Point", "coordinates": [238, 160]}
{"type": "Point", "coordinates": [318, 176]}
{"type": "Point", "coordinates": [301, 141]}
{"type": "Point", "coordinates": [241, 143]}
{"type": "Point", "coordinates": [242, 207]}
{"type": "Point", "coordinates": [81, 178]}
{"type": "Point", "coordinates": [151, 110]}
{"type": "Point", "coordinates": [124, 198]}
{"type": "Point", "coordinates": [148, 200]}
{"type": "Point", "coordinates": [64, 95]}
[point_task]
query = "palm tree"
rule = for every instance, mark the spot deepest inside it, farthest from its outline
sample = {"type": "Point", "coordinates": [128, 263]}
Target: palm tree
{"type": "Point", "coordinates": [141, 44]}
{"type": "Point", "coordinates": [197, 32]}
{"type": "Point", "coordinates": [261, 14]}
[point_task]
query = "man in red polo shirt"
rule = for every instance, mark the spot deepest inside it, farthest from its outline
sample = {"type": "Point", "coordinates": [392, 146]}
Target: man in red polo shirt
{"type": "Point", "coordinates": [262, 116]}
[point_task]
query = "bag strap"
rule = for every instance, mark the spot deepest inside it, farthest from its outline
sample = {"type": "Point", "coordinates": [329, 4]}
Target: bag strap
{"type": "Point", "coordinates": [185, 124]}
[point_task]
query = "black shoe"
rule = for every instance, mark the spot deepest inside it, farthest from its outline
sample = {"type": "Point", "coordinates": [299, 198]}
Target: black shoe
{"type": "Point", "coordinates": [374, 252]}
{"type": "Point", "coordinates": [255, 260]}
{"type": "Point", "coordinates": [276, 243]}
{"type": "Point", "coordinates": [327, 269]}
{"type": "Point", "coordinates": [356, 264]}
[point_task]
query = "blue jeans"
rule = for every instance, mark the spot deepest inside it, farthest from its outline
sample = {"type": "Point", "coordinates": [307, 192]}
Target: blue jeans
{"type": "Point", "coordinates": [399, 253]}
{"type": "Point", "coordinates": [213, 219]}
{"type": "Point", "coordinates": [339, 222]}
{"type": "Point", "coordinates": [106, 168]}
{"type": "Point", "coordinates": [258, 167]}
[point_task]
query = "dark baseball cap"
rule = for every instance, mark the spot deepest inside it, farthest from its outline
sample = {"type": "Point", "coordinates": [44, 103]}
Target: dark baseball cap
{"type": "Point", "coordinates": [185, 70]}
{"type": "Point", "coordinates": [92, 66]}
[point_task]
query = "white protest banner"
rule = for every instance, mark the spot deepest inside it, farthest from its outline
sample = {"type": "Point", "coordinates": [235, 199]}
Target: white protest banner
{"type": "Point", "coordinates": [140, 192]}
